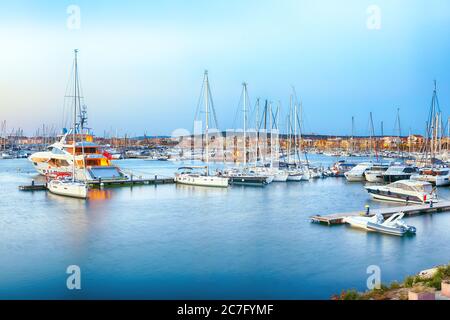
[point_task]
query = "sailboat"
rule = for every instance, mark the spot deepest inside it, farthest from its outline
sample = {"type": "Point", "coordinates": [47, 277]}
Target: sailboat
{"type": "Point", "coordinates": [246, 175]}
{"type": "Point", "coordinates": [71, 187]}
{"type": "Point", "coordinates": [295, 170]}
{"type": "Point", "coordinates": [188, 175]}
{"type": "Point", "coordinates": [278, 174]}
{"type": "Point", "coordinates": [438, 176]}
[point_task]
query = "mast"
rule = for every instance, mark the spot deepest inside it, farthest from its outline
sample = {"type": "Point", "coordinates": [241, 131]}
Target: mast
{"type": "Point", "coordinates": [409, 142]}
{"type": "Point", "coordinates": [352, 143]}
{"type": "Point", "coordinates": [399, 132]}
{"type": "Point", "coordinates": [244, 85]}
{"type": "Point", "coordinates": [448, 132]}
{"type": "Point", "coordinates": [257, 131]}
{"type": "Point", "coordinates": [295, 135]}
{"type": "Point", "coordinates": [75, 111]}
{"type": "Point", "coordinates": [206, 122]}
{"type": "Point", "coordinates": [372, 145]}
{"type": "Point", "coordinates": [290, 130]}
{"type": "Point", "coordinates": [271, 136]}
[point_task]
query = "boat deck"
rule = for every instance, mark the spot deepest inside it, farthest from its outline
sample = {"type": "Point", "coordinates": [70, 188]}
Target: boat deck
{"type": "Point", "coordinates": [410, 210]}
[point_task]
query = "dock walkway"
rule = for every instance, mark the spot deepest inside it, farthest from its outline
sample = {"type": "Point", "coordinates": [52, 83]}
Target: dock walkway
{"type": "Point", "coordinates": [108, 183]}
{"type": "Point", "coordinates": [410, 210]}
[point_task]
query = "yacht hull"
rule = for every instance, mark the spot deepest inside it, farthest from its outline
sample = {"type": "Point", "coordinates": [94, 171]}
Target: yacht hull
{"type": "Point", "coordinates": [249, 181]}
{"type": "Point", "coordinates": [355, 178]}
{"type": "Point", "coordinates": [374, 176]}
{"type": "Point", "coordinates": [396, 197]}
{"type": "Point", "coordinates": [68, 189]}
{"type": "Point", "coordinates": [280, 176]}
{"type": "Point", "coordinates": [435, 180]}
{"type": "Point", "coordinates": [395, 177]}
{"type": "Point", "coordinates": [386, 229]}
{"type": "Point", "coordinates": [202, 181]}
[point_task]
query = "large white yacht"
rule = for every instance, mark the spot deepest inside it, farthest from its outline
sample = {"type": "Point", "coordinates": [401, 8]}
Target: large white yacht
{"type": "Point", "coordinates": [76, 154]}
{"type": "Point", "coordinates": [375, 173]}
{"type": "Point", "coordinates": [90, 162]}
{"type": "Point", "coordinates": [437, 176]}
{"type": "Point", "coordinates": [404, 191]}
{"type": "Point", "coordinates": [357, 173]}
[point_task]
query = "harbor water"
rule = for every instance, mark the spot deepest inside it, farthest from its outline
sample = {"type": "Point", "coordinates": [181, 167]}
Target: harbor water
{"type": "Point", "coordinates": [184, 242]}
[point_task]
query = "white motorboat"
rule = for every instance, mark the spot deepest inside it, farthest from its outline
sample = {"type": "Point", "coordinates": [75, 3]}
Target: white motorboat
{"type": "Point", "coordinates": [189, 176]}
{"type": "Point", "coordinates": [360, 221]}
{"type": "Point", "coordinates": [398, 172]}
{"type": "Point", "coordinates": [6, 155]}
{"type": "Point", "coordinates": [404, 191]}
{"type": "Point", "coordinates": [356, 174]}
{"type": "Point", "coordinates": [341, 167]}
{"type": "Point", "coordinates": [375, 173]}
{"type": "Point", "coordinates": [437, 176]}
{"type": "Point", "coordinates": [393, 225]}
{"type": "Point", "coordinates": [68, 188]}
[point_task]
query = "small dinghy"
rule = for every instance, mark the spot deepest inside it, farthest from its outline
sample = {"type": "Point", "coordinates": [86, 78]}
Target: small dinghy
{"type": "Point", "coordinates": [393, 226]}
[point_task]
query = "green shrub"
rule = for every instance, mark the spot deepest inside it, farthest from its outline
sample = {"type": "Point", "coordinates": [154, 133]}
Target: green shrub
{"type": "Point", "coordinates": [350, 295]}
{"type": "Point", "coordinates": [409, 281]}
{"type": "Point", "coordinates": [395, 285]}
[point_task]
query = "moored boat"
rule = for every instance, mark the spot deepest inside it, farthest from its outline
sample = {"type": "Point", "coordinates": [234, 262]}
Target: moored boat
{"type": "Point", "coordinates": [437, 176]}
{"type": "Point", "coordinates": [356, 174]}
{"type": "Point", "coordinates": [404, 191]}
{"type": "Point", "coordinates": [394, 225]}
{"type": "Point", "coordinates": [68, 188]}
{"type": "Point", "coordinates": [375, 173]}
{"type": "Point", "coordinates": [398, 172]}
{"type": "Point", "coordinates": [191, 176]}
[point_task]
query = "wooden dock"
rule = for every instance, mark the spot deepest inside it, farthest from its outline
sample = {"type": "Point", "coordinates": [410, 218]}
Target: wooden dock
{"type": "Point", "coordinates": [33, 187]}
{"type": "Point", "coordinates": [108, 183]}
{"type": "Point", "coordinates": [410, 210]}
{"type": "Point", "coordinates": [130, 182]}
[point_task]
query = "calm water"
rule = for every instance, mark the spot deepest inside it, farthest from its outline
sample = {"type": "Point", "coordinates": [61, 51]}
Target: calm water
{"type": "Point", "coordinates": [186, 242]}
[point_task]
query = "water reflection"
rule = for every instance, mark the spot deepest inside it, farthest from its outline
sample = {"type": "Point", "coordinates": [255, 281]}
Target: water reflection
{"type": "Point", "coordinates": [180, 241]}
{"type": "Point", "coordinates": [99, 194]}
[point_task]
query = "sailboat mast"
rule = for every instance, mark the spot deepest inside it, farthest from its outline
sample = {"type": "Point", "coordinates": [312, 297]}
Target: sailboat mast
{"type": "Point", "coordinates": [300, 127]}
{"type": "Point", "coordinates": [271, 136]}
{"type": "Point", "coordinates": [257, 131]}
{"type": "Point", "coordinates": [399, 133]}
{"type": "Point", "coordinates": [295, 135]}
{"type": "Point", "coordinates": [353, 134]}
{"type": "Point", "coordinates": [206, 122]}
{"type": "Point", "coordinates": [371, 133]}
{"type": "Point", "coordinates": [244, 85]}
{"type": "Point", "coordinates": [75, 111]}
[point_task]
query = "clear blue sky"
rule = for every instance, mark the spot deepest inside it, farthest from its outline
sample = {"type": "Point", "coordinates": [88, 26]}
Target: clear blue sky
{"type": "Point", "coordinates": [142, 62]}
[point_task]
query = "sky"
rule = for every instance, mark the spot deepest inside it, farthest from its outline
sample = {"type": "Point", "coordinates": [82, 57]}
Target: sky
{"type": "Point", "coordinates": [142, 62]}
